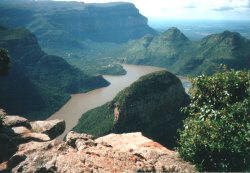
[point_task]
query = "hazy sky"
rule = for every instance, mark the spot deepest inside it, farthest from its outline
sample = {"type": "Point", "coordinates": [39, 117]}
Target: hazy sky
{"type": "Point", "coordinates": [191, 9]}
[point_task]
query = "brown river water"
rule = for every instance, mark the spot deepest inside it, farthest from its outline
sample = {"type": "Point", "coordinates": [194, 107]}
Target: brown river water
{"type": "Point", "coordinates": [81, 103]}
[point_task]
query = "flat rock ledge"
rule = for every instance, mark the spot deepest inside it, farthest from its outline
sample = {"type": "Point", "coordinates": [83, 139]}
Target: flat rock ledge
{"type": "Point", "coordinates": [131, 152]}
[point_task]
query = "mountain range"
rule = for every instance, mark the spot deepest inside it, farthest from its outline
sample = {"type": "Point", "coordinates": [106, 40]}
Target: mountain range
{"type": "Point", "coordinates": [174, 51]}
{"type": "Point", "coordinates": [93, 36]}
{"type": "Point", "coordinates": [81, 33]}
{"type": "Point", "coordinates": [59, 24]}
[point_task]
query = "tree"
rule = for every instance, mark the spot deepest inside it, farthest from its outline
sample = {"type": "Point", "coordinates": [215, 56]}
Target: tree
{"type": "Point", "coordinates": [216, 134]}
{"type": "Point", "coordinates": [4, 62]}
{"type": "Point", "coordinates": [4, 68]}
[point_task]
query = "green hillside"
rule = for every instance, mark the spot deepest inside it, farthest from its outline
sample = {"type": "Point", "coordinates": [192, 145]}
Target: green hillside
{"type": "Point", "coordinates": [38, 80]}
{"type": "Point", "coordinates": [149, 105]}
{"type": "Point", "coordinates": [80, 32]}
{"type": "Point", "coordinates": [173, 50]}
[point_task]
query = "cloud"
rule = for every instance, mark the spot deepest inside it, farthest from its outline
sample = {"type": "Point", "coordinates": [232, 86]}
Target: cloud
{"type": "Point", "coordinates": [190, 6]}
{"type": "Point", "coordinates": [223, 9]}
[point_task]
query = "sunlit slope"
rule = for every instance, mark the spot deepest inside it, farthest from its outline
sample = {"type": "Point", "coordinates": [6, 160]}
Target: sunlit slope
{"type": "Point", "coordinates": [173, 50]}
{"type": "Point", "coordinates": [150, 105]}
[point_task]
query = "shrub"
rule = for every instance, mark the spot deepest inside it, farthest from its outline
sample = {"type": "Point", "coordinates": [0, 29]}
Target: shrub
{"type": "Point", "coordinates": [216, 134]}
{"type": "Point", "coordinates": [4, 61]}
{"type": "Point", "coordinates": [2, 114]}
{"type": "Point", "coordinates": [1, 120]}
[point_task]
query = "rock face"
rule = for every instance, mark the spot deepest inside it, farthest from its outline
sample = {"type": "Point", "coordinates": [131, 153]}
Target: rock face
{"type": "Point", "coordinates": [17, 130]}
{"type": "Point", "coordinates": [67, 24]}
{"type": "Point", "coordinates": [81, 153]}
{"type": "Point", "coordinates": [51, 128]}
{"type": "Point", "coordinates": [150, 105]}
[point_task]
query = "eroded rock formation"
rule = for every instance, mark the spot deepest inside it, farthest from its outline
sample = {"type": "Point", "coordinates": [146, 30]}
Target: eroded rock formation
{"type": "Point", "coordinates": [28, 147]}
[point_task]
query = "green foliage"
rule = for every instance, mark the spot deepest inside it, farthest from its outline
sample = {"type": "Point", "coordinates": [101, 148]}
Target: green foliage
{"type": "Point", "coordinates": [1, 120]}
{"type": "Point", "coordinates": [97, 122]}
{"type": "Point", "coordinates": [149, 105]}
{"type": "Point", "coordinates": [172, 50]}
{"type": "Point", "coordinates": [2, 114]}
{"type": "Point", "coordinates": [216, 133]}
{"type": "Point", "coordinates": [4, 62]}
{"type": "Point", "coordinates": [38, 84]}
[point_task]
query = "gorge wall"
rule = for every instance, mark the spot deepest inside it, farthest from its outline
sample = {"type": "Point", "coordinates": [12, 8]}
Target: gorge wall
{"type": "Point", "coordinates": [68, 24]}
{"type": "Point", "coordinates": [38, 84]}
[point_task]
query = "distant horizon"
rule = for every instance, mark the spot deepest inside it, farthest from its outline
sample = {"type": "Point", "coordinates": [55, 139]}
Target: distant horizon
{"type": "Point", "coordinates": [189, 9]}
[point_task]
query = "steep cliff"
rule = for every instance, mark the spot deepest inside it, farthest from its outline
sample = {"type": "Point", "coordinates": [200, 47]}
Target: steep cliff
{"type": "Point", "coordinates": [38, 81]}
{"type": "Point", "coordinates": [28, 147]}
{"type": "Point", "coordinates": [150, 105]}
{"type": "Point", "coordinates": [67, 24]}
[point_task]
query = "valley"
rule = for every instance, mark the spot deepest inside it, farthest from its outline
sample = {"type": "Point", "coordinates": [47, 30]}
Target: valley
{"type": "Point", "coordinates": [81, 80]}
{"type": "Point", "coordinates": [81, 103]}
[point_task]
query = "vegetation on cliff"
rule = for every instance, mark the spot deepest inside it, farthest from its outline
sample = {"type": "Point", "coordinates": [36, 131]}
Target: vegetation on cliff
{"type": "Point", "coordinates": [38, 84]}
{"type": "Point", "coordinates": [173, 50]}
{"type": "Point", "coordinates": [4, 62]}
{"type": "Point", "coordinates": [82, 33]}
{"type": "Point", "coordinates": [4, 69]}
{"type": "Point", "coordinates": [216, 134]}
{"type": "Point", "coordinates": [149, 105]}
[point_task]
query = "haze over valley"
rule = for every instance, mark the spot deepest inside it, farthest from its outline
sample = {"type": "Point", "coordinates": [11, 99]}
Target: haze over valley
{"type": "Point", "coordinates": [168, 81]}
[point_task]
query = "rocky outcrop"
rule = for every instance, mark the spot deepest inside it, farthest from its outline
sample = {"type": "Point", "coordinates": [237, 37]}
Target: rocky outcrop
{"type": "Point", "coordinates": [31, 149]}
{"type": "Point", "coordinates": [16, 130]}
{"type": "Point", "coordinates": [51, 128]}
{"type": "Point", "coordinates": [81, 153]}
{"type": "Point", "coordinates": [150, 105]}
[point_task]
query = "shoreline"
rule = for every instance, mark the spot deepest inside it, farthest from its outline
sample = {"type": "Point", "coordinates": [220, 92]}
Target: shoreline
{"type": "Point", "coordinates": [80, 103]}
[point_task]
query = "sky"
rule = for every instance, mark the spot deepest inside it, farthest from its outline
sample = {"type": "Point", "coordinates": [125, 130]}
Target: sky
{"type": "Point", "coordinates": [190, 9]}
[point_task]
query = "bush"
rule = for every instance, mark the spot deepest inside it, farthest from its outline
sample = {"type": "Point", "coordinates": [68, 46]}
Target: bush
{"type": "Point", "coordinates": [216, 134]}
{"type": "Point", "coordinates": [4, 61]}
{"type": "Point", "coordinates": [1, 120]}
{"type": "Point", "coordinates": [2, 114]}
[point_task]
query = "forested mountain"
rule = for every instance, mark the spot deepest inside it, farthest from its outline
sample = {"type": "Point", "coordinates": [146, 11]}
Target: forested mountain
{"type": "Point", "coordinates": [173, 50]}
{"type": "Point", "coordinates": [59, 24]}
{"type": "Point", "coordinates": [38, 81]}
{"type": "Point", "coordinates": [81, 33]}
{"type": "Point", "coordinates": [150, 105]}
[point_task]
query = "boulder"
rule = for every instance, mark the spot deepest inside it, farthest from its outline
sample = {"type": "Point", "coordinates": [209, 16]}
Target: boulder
{"type": "Point", "coordinates": [15, 121]}
{"type": "Point", "coordinates": [17, 130]}
{"type": "Point", "coordinates": [52, 128]}
{"type": "Point", "coordinates": [21, 130]}
{"type": "Point", "coordinates": [79, 141]}
{"type": "Point", "coordinates": [148, 150]}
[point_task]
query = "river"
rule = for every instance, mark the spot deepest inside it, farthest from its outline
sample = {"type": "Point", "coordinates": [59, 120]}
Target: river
{"type": "Point", "coordinates": [81, 103]}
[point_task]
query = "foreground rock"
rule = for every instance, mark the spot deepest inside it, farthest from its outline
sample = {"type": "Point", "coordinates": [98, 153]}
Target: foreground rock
{"type": "Point", "coordinates": [129, 152]}
{"type": "Point", "coordinates": [51, 128]}
{"type": "Point", "coordinates": [102, 155]}
{"type": "Point", "coordinates": [17, 130]}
